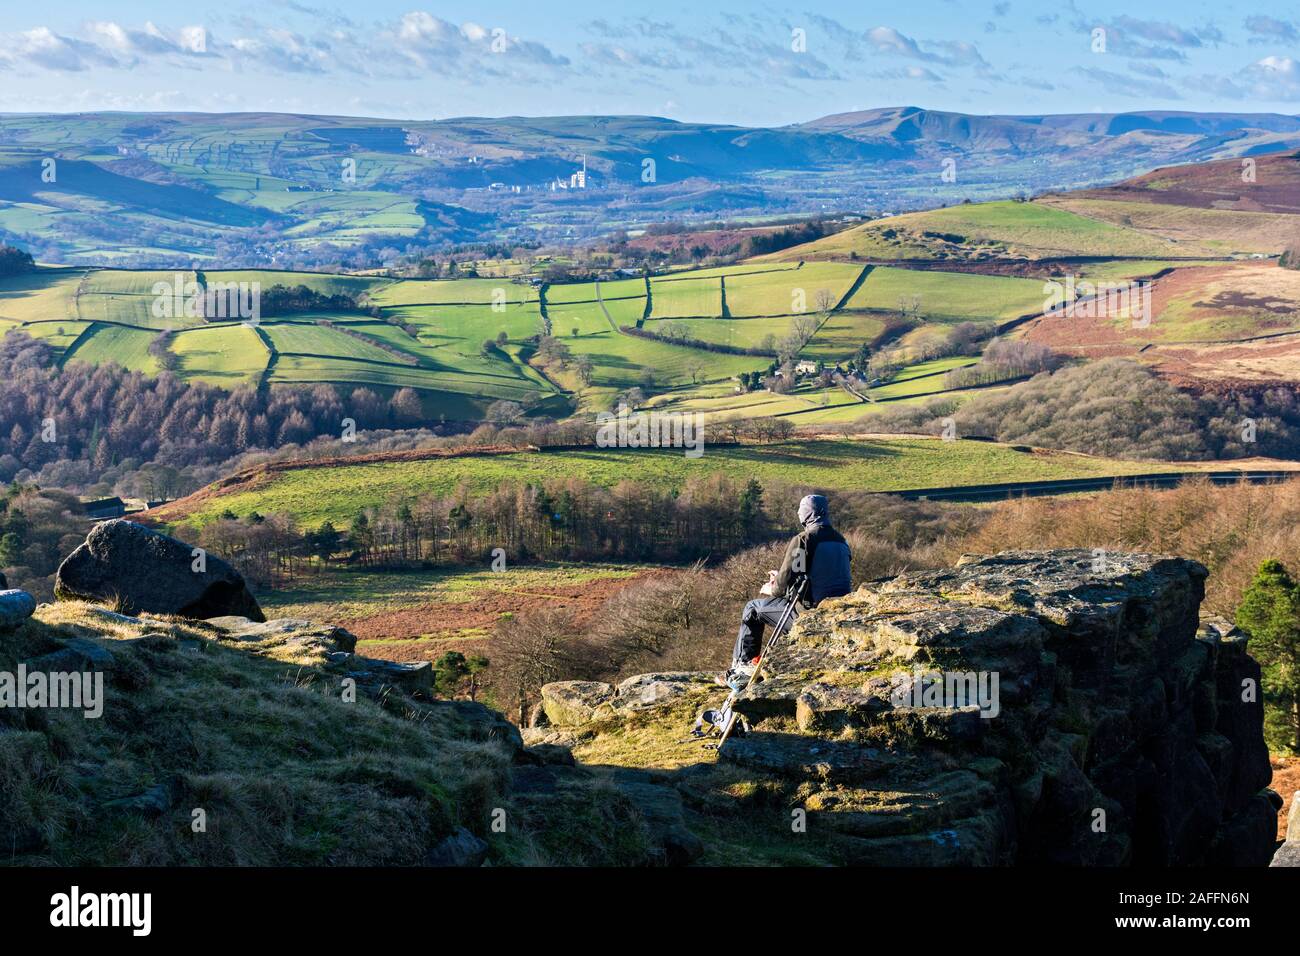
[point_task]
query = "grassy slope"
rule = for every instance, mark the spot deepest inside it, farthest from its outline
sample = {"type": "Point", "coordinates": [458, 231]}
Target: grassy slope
{"type": "Point", "coordinates": [286, 771]}
{"type": "Point", "coordinates": [951, 296]}
{"type": "Point", "coordinates": [313, 495]}
{"type": "Point", "coordinates": [621, 360]}
{"type": "Point", "coordinates": [1213, 231]}
{"type": "Point", "coordinates": [683, 298]}
{"type": "Point", "coordinates": [1029, 229]}
{"type": "Point", "coordinates": [226, 355]}
{"type": "Point", "coordinates": [786, 292]}
{"type": "Point", "coordinates": [257, 734]}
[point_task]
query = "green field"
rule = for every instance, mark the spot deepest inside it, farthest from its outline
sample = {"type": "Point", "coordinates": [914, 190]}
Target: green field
{"type": "Point", "coordinates": [683, 298]}
{"type": "Point", "coordinates": [563, 293]}
{"type": "Point", "coordinates": [621, 361]}
{"type": "Point", "coordinates": [740, 333]}
{"type": "Point", "coordinates": [950, 296]}
{"type": "Point", "coordinates": [452, 292]}
{"type": "Point", "coordinates": [625, 311]}
{"type": "Point", "coordinates": [313, 495]}
{"type": "Point", "coordinates": [103, 344]}
{"type": "Point", "coordinates": [588, 318]}
{"type": "Point", "coordinates": [322, 341]}
{"type": "Point", "coordinates": [1030, 229]}
{"type": "Point", "coordinates": [467, 326]}
{"type": "Point", "coordinates": [48, 295]}
{"type": "Point", "coordinates": [225, 356]}
{"type": "Point", "coordinates": [789, 292]}
{"type": "Point", "coordinates": [842, 334]}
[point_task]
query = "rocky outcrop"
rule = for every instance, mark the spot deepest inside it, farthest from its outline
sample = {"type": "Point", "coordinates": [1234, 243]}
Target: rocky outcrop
{"type": "Point", "coordinates": [139, 570]}
{"type": "Point", "coordinates": [1029, 708]}
{"type": "Point", "coordinates": [572, 703]}
{"type": "Point", "coordinates": [289, 639]}
{"type": "Point", "coordinates": [15, 607]}
{"type": "Point", "coordinates": [1288, 854]}
{"type": "Point", "coordinates": [461, 849]}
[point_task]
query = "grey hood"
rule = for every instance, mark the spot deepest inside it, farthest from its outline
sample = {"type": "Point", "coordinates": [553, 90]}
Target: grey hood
{"type": "Point", "coordinates": [814, 510]}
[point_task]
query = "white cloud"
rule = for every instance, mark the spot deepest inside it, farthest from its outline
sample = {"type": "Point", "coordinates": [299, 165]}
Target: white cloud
{"type": "Point", "coordinates": [1271, 79]}
{"type": "Point", "coordinates": [1274, 78]}
{"type": "Point", "coordinates": [282, 51]}
{"type": "Point", "coordinates": [418, 41]}
{"type": "Point", "coordinates": [909, 73]}
{"type": "Point", "coordinates": [1122, 85]}
{"type": "Point", "coordinates": [889, 41]}
{"type": "Point", "coordinates": [439, 46]}
{"type": "Point", "coordinates": [1268, 29]}
{"type": "Point", "coordinates": [53, 51]}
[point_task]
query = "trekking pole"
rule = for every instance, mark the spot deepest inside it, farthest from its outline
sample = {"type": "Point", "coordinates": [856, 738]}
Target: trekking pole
{"type": "Point", "coordinates": [792, 598]}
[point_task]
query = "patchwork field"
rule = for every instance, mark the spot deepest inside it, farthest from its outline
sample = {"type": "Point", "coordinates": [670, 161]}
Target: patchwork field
{"type": "Point", "coordinates": [463, 343]}
{"type": "Point", "coordinates": [426, 335]}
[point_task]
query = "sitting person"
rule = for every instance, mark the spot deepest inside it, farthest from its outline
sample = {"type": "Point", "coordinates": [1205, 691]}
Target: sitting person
{"type": "Point", "coordinates": [817, 554]}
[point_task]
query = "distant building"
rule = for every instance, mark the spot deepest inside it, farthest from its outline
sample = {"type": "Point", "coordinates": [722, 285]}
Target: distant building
{"type": "Point", "coordinates": [104, 509]}
{"type": "Point", "coordinates": [806, 368]}
{"type": "Point", "coordinates": [579, 179]}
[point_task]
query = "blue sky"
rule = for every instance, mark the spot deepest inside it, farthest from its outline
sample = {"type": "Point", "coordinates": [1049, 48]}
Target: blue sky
{"type": "Point", "coordinates": [741, 63]}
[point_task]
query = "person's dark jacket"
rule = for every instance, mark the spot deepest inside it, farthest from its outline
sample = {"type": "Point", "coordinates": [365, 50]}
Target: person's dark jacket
{"type": "Point", "coordinates": [819, 550]}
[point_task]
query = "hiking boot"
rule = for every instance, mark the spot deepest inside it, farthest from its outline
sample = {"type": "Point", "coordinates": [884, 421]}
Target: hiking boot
{"type": "Point", "coordinates": [738, 676]}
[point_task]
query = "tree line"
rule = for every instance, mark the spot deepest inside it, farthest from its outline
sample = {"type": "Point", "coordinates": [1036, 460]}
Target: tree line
{"type": "Point", "coordinates": [518, 522]}
{"type": "Point", "coordinates": [104, 414]}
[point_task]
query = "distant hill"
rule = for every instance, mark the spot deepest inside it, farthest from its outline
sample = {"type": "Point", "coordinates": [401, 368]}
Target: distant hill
{"type": "Point", "coordinates": [1267, 184]}
{"type": "Point", "coordinates": [911, 124]}
{"type": "Point", "coordinates": [259, 189]}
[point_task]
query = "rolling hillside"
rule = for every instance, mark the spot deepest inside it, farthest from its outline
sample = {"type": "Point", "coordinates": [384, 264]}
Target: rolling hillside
{"type": "Point", "coordinates": [1211, 210]}
{"type": "Point", "coordinates": [312, 494]}
{"type": "Point", "coordinates": [683, 333]}
{"type": "Point", "coordinates": [260, 189]}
